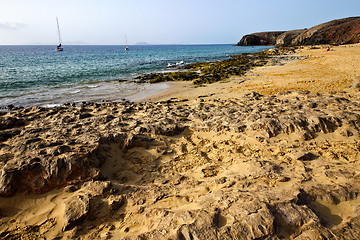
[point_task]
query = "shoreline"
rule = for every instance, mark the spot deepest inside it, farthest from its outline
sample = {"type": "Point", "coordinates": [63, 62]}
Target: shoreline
{"type": "Point", "coordinates": [53, 86]}
{"type": "Point", "coordinates": [289, 69]}
{"type": "Point", "coordinates": [272, 154]}
{"type": "Point", "coordinates": [109, 91]}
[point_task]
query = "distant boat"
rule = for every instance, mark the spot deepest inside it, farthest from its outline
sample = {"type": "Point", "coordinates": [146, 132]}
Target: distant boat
{"type": "Point", "coordinates": [126, 47]}
{"type": "Point", "coordinates": [59, 47]}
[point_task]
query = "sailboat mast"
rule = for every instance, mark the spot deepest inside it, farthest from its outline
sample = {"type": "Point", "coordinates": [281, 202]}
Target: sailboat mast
{"type": "Point", "coordinates": [57, 21]}
{"type": "Point", "coordinates": [126, 47]}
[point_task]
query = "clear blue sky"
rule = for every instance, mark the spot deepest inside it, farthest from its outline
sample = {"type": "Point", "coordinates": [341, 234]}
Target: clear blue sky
{"type": "Point", "coordinates": [160, 21]}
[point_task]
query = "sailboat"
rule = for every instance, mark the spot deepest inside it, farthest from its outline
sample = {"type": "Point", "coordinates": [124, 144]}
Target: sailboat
{"type": "Point", "coordinates": [59, 47]}
{"type": "Point", "coordinates": [126, 47]}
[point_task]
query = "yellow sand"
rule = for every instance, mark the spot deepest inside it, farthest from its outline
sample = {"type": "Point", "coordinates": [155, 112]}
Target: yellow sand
{"type": "Point", "coordinates": [322, 71]}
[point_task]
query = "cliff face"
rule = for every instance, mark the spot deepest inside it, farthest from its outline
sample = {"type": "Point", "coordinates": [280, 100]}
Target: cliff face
{"type": "Point", "coordinates": [286, 38]}
{"type": "Point", "coordinates": [261, 38]}
{"type": "Point", "coordinates": [340, 31]}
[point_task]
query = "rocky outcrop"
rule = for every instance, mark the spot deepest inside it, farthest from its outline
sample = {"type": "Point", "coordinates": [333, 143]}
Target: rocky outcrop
{"type": "Point", "coordinates": [286, 38]}
{"type": "Point", "coordinates": [254, 167]}
{"type": "Point", "coordinates": [261, 38]}
{"type": "Point", "coordinates": [76, 209]}
{"type": "Point", "coordinates": [340, 31]}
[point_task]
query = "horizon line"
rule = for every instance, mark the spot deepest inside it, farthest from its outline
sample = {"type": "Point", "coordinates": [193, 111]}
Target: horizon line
{"type": "Point", "coordinates": [91, 44]}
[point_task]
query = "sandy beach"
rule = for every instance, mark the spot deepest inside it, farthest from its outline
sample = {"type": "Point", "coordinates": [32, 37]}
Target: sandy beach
{"type": "Point", "coordinates": [319, 71]}
{"type": "Point", "coordinates": [273, 154]}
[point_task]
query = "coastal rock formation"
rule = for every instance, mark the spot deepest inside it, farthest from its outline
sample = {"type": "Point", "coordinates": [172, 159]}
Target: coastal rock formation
{"type": "Point", "coordinates": [252, 167]}
{"type": "Point", "coordinates": [261, 38]}
{"type": "Point", "coordinates": [76, 209]}
{"type": "Point", "coordinates": [286, 38]}
{"type": "Point", "coordinates": [340, 31]}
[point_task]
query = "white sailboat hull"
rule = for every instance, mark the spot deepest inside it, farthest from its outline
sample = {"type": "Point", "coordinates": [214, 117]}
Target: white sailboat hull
{"type": "Point", "coordinates": [59, 48]}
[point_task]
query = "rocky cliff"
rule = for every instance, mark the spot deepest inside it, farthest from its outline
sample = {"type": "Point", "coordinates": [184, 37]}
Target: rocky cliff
{"type": "Point", "coordinates": [286, 38]}
{"type": "Point", "coordinates": [340, 31]}
{"type": "Point", "coordinates": [261, 38]}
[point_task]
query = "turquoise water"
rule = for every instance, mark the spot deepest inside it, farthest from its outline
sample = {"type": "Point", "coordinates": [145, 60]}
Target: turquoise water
{"type": "Point", "coordinates": [39, 75]}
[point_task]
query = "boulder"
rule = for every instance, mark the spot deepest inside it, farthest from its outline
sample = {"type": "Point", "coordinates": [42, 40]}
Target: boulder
{"type": "Point", "coordinates": [291, 216]}
{"type": "Point", "coordinates": [356, 83]}
{"type": "Point", "coordinates": [76, 209]}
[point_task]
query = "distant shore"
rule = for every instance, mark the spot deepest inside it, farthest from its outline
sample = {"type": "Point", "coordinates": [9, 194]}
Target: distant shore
{"type": "Point", "coordinates": [311, 68]}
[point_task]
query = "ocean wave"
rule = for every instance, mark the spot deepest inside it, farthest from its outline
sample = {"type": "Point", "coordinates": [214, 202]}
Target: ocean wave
{"type": "Point", "coordinates": [177, 64]}
{"type": "Point", "coordinates": [29, 69]}
{"type": "Point", "coordinates": [92, 86]}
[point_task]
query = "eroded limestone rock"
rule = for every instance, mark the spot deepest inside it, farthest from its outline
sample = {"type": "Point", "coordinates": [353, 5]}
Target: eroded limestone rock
{"type": "Point", "coordinates": [76, 209]}
{"type": "Point", "coordinates": [254, 167]}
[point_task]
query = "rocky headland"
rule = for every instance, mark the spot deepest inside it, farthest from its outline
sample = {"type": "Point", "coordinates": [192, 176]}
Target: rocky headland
{"type": "Point", "coordinates": [272, 154]}
{"type": "Point", "coordinates": [340, 31]}
{"type": "Point", "coordinates": [260, 39]}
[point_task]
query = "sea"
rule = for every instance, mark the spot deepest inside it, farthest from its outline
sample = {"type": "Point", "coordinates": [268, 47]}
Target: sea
{"type": "Point", "coordinates": [41, 76]}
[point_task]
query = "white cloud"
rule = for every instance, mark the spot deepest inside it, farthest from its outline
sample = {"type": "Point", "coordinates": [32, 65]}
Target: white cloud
{"type": "Point", "coordinates": [10, 25]}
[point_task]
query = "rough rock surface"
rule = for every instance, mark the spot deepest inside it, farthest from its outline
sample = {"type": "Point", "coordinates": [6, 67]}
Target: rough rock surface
{"type": "Point", "coordinates": [286, 38]}
{"type": "Point", "coordinates": [76, 209]}
{"type": "Point", "coordinates": [340, 31]}
{"type": "Point", "coordinates": [261, 38]}
{"type": "Point", "coordinates": [254, 167]}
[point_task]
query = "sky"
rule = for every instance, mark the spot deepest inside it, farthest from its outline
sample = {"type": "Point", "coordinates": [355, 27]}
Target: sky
{"type": "Point", "coordinates": [106, 22]}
